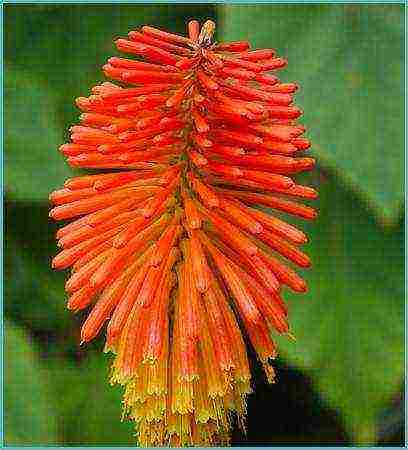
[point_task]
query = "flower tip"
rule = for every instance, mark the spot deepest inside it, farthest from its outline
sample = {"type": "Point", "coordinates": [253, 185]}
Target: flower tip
{"type": "Point", "coordinates": [70, 307]}
{"type": "Point", "coordinates": [81, 101]}
{"type": "Point", "coordinates": [291, 336]}
{"type": "Point", "coordinates": [257, 228]}
{"type": "Point", "coordinates": [106, 68]}
{"type": "Point", "coordinates": [146, 213]}
{"type": "Point", "coordinates": [307, 263]}
{"type": "Point", "coordinates": [207, 33]}
{"type": "Point", "coordinates": [287, 182]}
{"type": "Point", "coordinates": [193, 27]}
{"type": "Point", "coordinates": [303, 164]}
{"type": "Point", "coordinates": [303, 240]}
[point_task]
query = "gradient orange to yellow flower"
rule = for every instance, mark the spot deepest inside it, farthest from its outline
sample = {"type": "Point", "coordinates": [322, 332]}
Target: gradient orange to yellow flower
{"type": "Point", "coordinates": [173, 243]}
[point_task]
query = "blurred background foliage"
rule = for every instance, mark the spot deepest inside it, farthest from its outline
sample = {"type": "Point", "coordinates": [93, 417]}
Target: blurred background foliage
{"type": "Point", "coordinates": [342, 381]}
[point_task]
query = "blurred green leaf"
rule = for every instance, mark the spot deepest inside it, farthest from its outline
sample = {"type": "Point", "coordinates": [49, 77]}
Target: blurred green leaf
{"type": "Point", "coordinates": [349, 60]}
{"type": "Point", "coordinates": [90, 412]}
{"type": "Point", "coordinates": [34, 293]}
{"type": "Point", "coordinates": [350, 326]}
{"type": "Point", "coordinates": [29, 414]}
{"type": "Point", "coordinates": [32, 134]}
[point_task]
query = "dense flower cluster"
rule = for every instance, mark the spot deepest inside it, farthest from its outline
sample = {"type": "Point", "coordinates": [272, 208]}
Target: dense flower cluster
{"type": "Point", "coordinates": [173, 246]}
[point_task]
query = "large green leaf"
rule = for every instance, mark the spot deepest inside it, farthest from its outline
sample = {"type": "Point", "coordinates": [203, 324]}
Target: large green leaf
{"type": "Point", "coordinates": [32, 134]}
{"type": "Point", "coordinates": [30, 417]}
{"type": "Point", "coordinates": [349, 60]}
{"type": "Point", "coordinates": [90, 410]}
{"type": "Point", "coordinates": [350, 326]}
{"type": "Point", "coordinates": [34, 293]}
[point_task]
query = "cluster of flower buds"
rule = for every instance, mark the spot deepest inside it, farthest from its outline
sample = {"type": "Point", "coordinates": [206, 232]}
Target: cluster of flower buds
{"type": "Point", "coordinates": [174, 247]}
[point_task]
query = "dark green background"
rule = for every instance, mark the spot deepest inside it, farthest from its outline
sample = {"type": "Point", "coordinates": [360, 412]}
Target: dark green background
{"type": "Point", "coordinates": [342, 380]}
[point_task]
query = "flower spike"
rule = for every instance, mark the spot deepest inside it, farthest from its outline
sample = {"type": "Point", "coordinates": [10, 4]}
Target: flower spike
{"type": "Point", "coordinates": [171, 245]}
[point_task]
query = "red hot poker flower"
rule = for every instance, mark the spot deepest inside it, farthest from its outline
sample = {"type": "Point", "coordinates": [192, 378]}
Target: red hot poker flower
{"type": "Point", "coordinates": [170, 246]}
